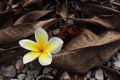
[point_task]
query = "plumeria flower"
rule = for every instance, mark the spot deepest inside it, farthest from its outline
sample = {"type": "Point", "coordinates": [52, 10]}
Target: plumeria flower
{"type": "Point", "coordinates": [42, 48]}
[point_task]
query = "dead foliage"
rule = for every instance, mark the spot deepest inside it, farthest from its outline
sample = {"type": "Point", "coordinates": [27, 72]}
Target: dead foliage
{"type": "Point", "coordinates": [90, 30]}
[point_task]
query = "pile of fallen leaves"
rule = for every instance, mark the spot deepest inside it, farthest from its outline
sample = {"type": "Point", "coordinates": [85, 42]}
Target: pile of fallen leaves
{"type": "Point", "coordinates": [90, 30]}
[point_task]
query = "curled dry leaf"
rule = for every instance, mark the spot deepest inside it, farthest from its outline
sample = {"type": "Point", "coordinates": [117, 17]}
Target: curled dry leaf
{"type": "Point", "coordinates": [110, 22]}
{"type": "Point", "coordinates": [112, 74]}
{"type": "Point", "coordinates": [83, 59]}
{"type": "Point", "coordinates": [39, 3]}
{"type": "Point", "coordinates": [10, 54]}
{"type": "Point", "coordinates": [32, 16]}
{"type": "Point", "coordinates": [87, 38]}
{"type": "Point", "coordinates": [15, 33]}
{"type": "Point", "coordinates": [94, 9]}
{"type": "Point", "coordinates": [86, 51]}
{"type": "Point", "coordinates": [64, 11]}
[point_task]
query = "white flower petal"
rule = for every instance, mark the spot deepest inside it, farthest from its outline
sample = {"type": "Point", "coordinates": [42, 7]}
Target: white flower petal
{"type": "Point", "coordinates": [29, 45]}
{"type": "Point", "coordinates": [45, 58]}
{"type": "Point", "coordinates": [30, 57]}
{"type": "Point", "coordinates": [41, 37]}
{"type": "Point", "coordinates": [54, 45]}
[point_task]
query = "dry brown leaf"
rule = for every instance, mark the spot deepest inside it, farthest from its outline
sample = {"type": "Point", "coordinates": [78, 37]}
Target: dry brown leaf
{"type": "Point", "coordinates": [83, 59]}
{"type": "Point", "coordinates": [32, 16]}
{"type": "Point", "coordinates": [64, 11]}
{"type": "Point", "coordinates": [87, 38]}
{"type": "Point", "coordinates": [110, 22]}
{"type": "Point", "coordinates": [38, 3]}
{"type": "Point", "coordinates": [10, 54]}
{"type": "Point", "coordinates": [15, 33]}
{"type": "Point", "coordinates": [86, 51]}
{"type": "Point", "coordinates": [94, 9]}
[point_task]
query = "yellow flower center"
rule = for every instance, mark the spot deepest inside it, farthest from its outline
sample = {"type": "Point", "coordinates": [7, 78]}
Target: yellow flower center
{"type": "Point", "coordinates": [41, 51]}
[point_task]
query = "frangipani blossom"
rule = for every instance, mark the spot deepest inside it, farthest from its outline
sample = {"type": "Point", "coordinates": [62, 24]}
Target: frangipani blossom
{"type": "Point", "coordinates": [42, 48]}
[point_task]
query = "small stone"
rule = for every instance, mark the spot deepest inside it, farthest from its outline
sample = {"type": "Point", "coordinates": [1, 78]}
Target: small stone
{"type": "Point", "coordinates": [65, 76]}
{"type": "Point", "coordinates": [54, 72]}
{"type": "Point", "coordinates": [32, 66]}
{"type": "Point", "coordinates": [117, 65]}
{"type": "Point", "coordinates": [35, 73]}
{"type": "Point", "coordinates": [35, 65]}
{"type": "Point", "coordinates": [9, 71]}
{"type": "Point", "coordinates": [88, 74]}
{"type": "Point", "coordinates": [75, 76]}
{"type": "Point", "coordinates": [49, 77]}
{"type": "Point", "coordinates": [99, 74]}
{"type": "Point", "coordinates": [55, 31]}
{"type": "Point", "coordinates": [69, 21]}
{"type": "Point", "coordinates": [25, 69]}
{"type": "Point", "coordinates": [40, 77]}
{"type": "Point", "coordinates": [108, 79]}
{"type": "Point", "coordinates": [14, 79]}
{"type": "Point", "coordinates": [21, 76]}
{"type": "Point", "coordinates": [114, 57]}
{"type": "Point", "coordinates": [109, 64]}
{"type": "Point", "coordinates": [31, 74]}
{"type": "Point", "coordinates": [85, 78]}
{"type": "Point", "coordinates": [45, 77]}
{"type": "Point", "coordinates": [5, 78]}
{"type": "Point", "coordinates": [19, 64]}
{"type": "Point", "coordinates": [92, 79]}
{"type": "Point", "coordinates": [1, 77]}
{"type": "Point", "coordinates": [118, 56]}
{"type": "Point", "coordinates": [47, 70]}
{"type": "Point", "coordinates": [18, 71]}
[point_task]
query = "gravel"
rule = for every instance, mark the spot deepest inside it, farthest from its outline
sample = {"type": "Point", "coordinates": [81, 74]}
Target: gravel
{"type": "Point", "coordinates": [34, 71]}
